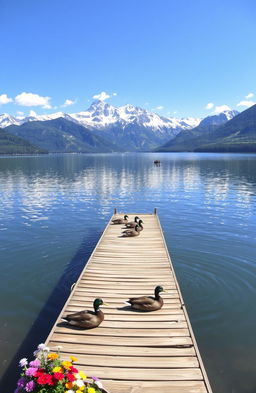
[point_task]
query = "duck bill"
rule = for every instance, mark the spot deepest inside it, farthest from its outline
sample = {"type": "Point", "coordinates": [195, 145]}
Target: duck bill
{"type": "Point", "coordinates": [105, 304]}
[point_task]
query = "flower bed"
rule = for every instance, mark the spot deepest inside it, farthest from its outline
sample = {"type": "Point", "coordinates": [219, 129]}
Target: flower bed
{"type": "Point", "coordinates": [49, 374]}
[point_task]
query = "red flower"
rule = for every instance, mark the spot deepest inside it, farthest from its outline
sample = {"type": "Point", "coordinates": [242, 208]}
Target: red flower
{"type": "Point", "coordinates": [42, 379]}
{"type": "Point", "coordinates": [39, 372]}
{"type": "Point", "coordinates": [70, 377]}
{"type": "Point", "coordinates": [73, 369]}
{"type": "Point", "coordinates": [50, 380]}
{"type": "Point", "coordinates": [58, 376]}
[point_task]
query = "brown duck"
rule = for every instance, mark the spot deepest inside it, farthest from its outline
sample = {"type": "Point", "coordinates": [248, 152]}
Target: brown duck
{"type": "Point", "coordinates": [148, 303]}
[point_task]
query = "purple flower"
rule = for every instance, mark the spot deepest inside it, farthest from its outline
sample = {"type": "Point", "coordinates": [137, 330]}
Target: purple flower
{"type": "Point", "coordinates": [35, 363]}
{"type": "Point", "coordinates": [21, 382]}
{"type": "Point", "coordinates": [23, 362]}
{"type": "Point", "coordinates": [17, 390]}
{"type": "Point", "coordinates": [30, 372]}
{"type": "Point", "coordinates": [95, 378]}
{"type": "Point", "coordinates": [30, 386]}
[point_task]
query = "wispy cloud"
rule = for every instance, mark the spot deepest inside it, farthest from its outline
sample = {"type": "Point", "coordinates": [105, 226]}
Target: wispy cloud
{"type": "Point", "coordinates": [250, 95]}
{"type": "Point", "coordinates": [222, 108]}
{"type": "Point", "coordinates": [246, 103]}
{"type": "Point", "coordinates": [4, 99]}
{"type": "Point", "coordinates": [158, 108]}
{"type": "Point", "coordinates": [114, 94]}
{"type": "Point", "coordinates": [101, 96]}
{"type": "Point", "coordinates": [69, 102]}
{"type": "Point", "coordinates": [30, 99]}
{"type": "Point", "coordinates": [210, 105]}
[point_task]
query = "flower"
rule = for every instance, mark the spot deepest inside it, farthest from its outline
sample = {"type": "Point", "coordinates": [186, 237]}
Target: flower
{"type": "Point", "coordinates": [57, 369]}
{"type": "Point", "coordinates": [69, 391]}
{"type": "Point", "coordinates": [82, 375]}
{"type": "Point", "coordinates": [31, 372]}
{"type": "Point", "coordinates": [21, 382]}
{"type": "Point", "coordinates": [79, 383]}
{"type": "Point", "coordinates": [52, 356]}
{"type": "Point", "coordinates": [69, 385]}
{"type": "Point", "coordinates": [71, 377]}
{"type": "Point", "coordinates": [41, 347]}
{"type": "Point", "coordinates": [91, 390]}
{"type": "Point", "coordinates": [99, 384]}
{"type": "Point", "coordinates": [66, 364]}
{"type": "Point", "coordinates": [23, 362]}
{"type": "Point", "coordinates": [30, 386]}
{"type": "Point", "coordinates": [58, 376]}
{"type": "Point", "coordinates": [35, 363]}
{"type": "Point", "coordinates": [73, 358]}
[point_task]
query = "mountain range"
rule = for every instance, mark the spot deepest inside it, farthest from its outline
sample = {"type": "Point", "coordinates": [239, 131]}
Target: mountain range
{"type": "Point", "coordinates": [105, 128]}
{"type": "Point", "coordinates": [127, 127]}
{"type": "Point", "coordinates": [238, 134]}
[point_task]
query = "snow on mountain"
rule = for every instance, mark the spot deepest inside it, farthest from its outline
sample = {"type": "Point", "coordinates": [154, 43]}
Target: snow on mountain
{"type": "Point", "coordinates": [219, 118]}
{"type": "Point", "coordinates": [100, 115]}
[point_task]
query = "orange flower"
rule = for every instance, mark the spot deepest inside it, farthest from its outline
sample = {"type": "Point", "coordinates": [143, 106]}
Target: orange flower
{"type": "Point", "coordinates": [69, 385]}
{"type": "Point", "coordinates": [73, 358]}
{"type": "Point", "coordinates": [52, 356]}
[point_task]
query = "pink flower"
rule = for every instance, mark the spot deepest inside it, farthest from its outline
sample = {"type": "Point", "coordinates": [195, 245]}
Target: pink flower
{"type": "Point", "coordinates": [35, 363]}
{"type": "Point", "coordinates": [31, 372]}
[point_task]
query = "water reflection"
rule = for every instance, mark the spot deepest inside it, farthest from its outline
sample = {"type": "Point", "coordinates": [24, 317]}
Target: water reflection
{"type": "Point", "coordinates": [51, 205]}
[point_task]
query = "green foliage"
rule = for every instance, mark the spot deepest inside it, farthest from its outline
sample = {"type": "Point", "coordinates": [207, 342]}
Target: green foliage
{"type": "Point", "coordinates": [11, 144]}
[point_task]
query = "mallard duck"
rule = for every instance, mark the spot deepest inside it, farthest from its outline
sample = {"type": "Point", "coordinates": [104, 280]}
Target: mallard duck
{"type": "Point", "coordinates": [132, 224]}
{"type": "Point", "coordinates": [120, 220]}
{"type": "Point", "coordinates": [148, 303]}
{"type": "Point", "coordinates": [87, 319]}
{"type": "Point", "coordinates": [131, 232]}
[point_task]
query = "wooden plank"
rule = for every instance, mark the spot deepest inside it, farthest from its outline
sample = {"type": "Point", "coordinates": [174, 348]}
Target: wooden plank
{"type": "Point", "coordinates": [138, 374]}
{"type": "Point", "coordinates": [115, 386]}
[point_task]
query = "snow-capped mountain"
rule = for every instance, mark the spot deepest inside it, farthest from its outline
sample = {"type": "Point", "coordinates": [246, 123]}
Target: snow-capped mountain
{"type": "Point", "coordinates": [129, 127]}
{"type": "Point", "coordinates": [219, 118]}
{"type": "Point", "coordinates": [101, 115]}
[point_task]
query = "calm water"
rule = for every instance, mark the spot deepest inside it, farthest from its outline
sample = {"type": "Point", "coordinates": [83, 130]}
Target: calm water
{"type": "Point", "coordinates": [54, 208]}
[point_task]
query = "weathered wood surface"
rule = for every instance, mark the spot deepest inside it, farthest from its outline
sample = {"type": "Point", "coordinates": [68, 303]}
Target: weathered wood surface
{"type": "Point", "coordinates": [133, 352]}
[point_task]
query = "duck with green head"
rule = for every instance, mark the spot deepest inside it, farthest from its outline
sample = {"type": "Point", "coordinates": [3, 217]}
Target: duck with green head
{"type": "Point", "coordinates": [87, 319]}
{"type": "Point", "coordinates": [120, 220]}
{"type": "Point", "coordinates": [148, 303]}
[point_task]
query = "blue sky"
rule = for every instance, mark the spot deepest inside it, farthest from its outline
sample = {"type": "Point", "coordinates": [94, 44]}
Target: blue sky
{"type": "Point", "coordinates": [173, 57]}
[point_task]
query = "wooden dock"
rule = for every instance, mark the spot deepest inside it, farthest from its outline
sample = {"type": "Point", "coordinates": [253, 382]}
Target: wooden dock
{"type": "Point", "coordinates": [133, 352]}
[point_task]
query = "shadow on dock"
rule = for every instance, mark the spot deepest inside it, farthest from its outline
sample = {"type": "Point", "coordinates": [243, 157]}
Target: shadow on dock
{"type": "Point", "coordinates": [50, 311]}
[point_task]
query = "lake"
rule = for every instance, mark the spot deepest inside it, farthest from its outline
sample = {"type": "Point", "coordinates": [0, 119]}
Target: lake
{"type": "Point", "coordinates": [54, 208]}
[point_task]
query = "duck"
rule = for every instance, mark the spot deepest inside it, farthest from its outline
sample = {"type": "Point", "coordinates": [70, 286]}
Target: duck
{"type": "Point", "coordinates": [132, 224]}
{"type": "Point", "coordinates": [140, 226]}
{"type": "Point", "coordinates": [131, 232]}
{"type": "Point", "coordinates": [148, 303]}
{"type": "Point", "coordinates": [120, 220]}
{"type": "Point", "coordinates": [87, 319]}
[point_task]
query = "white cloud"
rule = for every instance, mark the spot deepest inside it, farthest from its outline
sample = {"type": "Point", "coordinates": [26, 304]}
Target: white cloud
{"type": "Point", "coordinates": [246, 103]}
{"type": "Point", "coordinates": [114, 94]}
{"type": "Point", "coordinates": [68, 102]}
{"type": "Point", "coordinates": [210, 105]}
{"type": "Point", "coordinates": [30, 99]}
{"type": "Point", "coordinates": [4, 99]}
{"type": "Point", "coordinates": [158, 108]}
{"type": "Point", "coordinates": [221, 108]}
{"type": "Point", "coordinates": [20, 113]}
{"type": "Point", "coordinates": [102, 96]}
{"type": "Point", "coordinates": [32, 113]}
{"type": "Point", "coordinates": [250, 95]}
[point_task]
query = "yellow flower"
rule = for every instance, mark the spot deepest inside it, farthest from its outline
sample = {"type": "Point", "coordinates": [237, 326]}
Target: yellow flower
{"type": "Point", "coordinates": [91, 390]}
{"type": "Point", "coordinates": [66, 364]}
{"type": "Point", "coordinates": [52, 356]}
{"type": "Point", "coordinates": [73, 358]}
{"type": "Point", "coordinates": [81, 388]}
{"type": "Point", "coordinates": [82, 375]}
{"type": "Point", "coordinates": [57, 370]}
{"type": "Point", "coordinates": [69, 385]}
